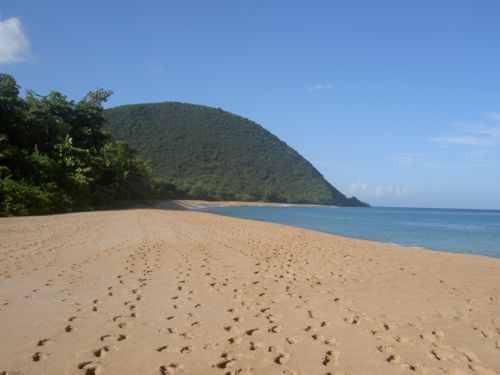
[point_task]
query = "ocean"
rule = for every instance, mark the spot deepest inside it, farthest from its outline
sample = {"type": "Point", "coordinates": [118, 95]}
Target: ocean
{"type": "Point", "coordinates": [452, 230]}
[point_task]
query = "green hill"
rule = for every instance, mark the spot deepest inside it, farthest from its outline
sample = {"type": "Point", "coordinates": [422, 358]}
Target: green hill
{"type": "Point", "coordinates": [213, 154]}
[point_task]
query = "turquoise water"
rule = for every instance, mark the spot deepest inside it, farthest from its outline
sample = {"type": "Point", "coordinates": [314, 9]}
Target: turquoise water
{"type": "Point", "coordinates": [461, 231]}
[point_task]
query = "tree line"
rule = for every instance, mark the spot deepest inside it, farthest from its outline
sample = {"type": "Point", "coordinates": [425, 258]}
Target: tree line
{"type": "Point", "coordinates": [56, 156]}
{"type": "Point", "coordinates": [213, 154]}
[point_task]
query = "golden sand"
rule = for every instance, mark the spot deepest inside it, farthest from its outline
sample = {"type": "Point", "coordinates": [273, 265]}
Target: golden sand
{"type": "Point", "coordinates": [176, 292]}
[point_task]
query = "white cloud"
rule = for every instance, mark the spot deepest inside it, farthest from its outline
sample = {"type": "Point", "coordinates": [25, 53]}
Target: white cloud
{"type": "Point", "coordinates": [434, 165]}
{"type": "Point", "coordinates": [463, 140]}
{"type": "Point", "coordinates": [417, 159]}
{"type": "Point", "coordinates": [478, 154]}
{"type": "Point", "coordinates": [390, 191]}
{"type": "Point", "coordinates": [360, 188]}
{"type": "Point", "coordinates": [404, 159]}
{"type": "Point", "coordinates": [484, 134]}
{"type": "Point", "coordinates": [14, 45]}
{"type": "Point", "coordinates": [495, 116]}
{"type": "Point", "coordinates": [477, 142]}
{"type": "Point", "coordinates": [320, 87]}
{"type": "Point", "coordinates": [493, 132]}
{"type": "Point", "coordinates": [409, 158]}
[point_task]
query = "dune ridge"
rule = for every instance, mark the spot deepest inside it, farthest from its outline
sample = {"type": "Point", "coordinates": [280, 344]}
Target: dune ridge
{"type": "Point", "coordinates": [180, 292]}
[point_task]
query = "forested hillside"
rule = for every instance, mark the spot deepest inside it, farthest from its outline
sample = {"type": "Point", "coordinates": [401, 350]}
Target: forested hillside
{"type": "Point", "coordinates": [55, 156]}
{"type": "Point", "coordinates": [58, 155]}
{"type": "Point", "coordinates": [210, 153]}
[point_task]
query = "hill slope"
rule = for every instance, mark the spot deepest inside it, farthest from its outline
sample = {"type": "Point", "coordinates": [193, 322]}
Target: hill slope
{"type": "Point", "coordinates": [215, 154]}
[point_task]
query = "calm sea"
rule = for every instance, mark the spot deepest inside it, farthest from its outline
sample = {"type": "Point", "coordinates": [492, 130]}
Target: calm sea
{"type": "Point", "coordinates": [461, 231]}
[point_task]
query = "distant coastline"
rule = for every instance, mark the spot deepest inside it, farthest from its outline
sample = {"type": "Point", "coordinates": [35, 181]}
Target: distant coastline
{"type": "Point", "coordinates": [190, 204]}
{"type": "Point", "coordinates": [459, 231]}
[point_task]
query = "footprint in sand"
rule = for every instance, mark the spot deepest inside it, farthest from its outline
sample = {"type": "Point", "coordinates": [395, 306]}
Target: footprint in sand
{"type": "Point", "coordinates": [89, 367]}
{"type": "Point", "coordinates": [255, 346]}
{"type": "Point", "coordinates": [317, 337]}
{"type": "Point", "coordinates": [101, 352]}
{"type": "Point", "coordinates": [186, 349]}
{"type": "Point", "coordinates": [393, 358]}
{"type": "Point", "coordinates": [354, 320]}
{"type": "Point", "coordinates": [225, 363]}
{"type": "Point", "coordinates": [330, 358]}
{"type": "Point", "coordinates": [42, 342]}
{"type": "Point", "coordinates": [38, 356]}
{"type": "Point", "coordinates": [251, 332]}
{"type": "Point", "coordinates": [275, 329]}
{"type": "Point", "coordinates": [282, 358]}
{"type": "Point", "coordinates": [236, 340]}
{"type": "Point", "coordinates": [330, 342]}
{"type": "Point", "coordinates": [121, 337]}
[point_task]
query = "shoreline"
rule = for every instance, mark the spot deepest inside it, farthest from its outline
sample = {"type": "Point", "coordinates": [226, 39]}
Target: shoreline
{"type": "Point", "coordinates": [192, 204]}
{"type": "Point", "coordinates": [362, 240]}
{"type": "Point", "coordinates": [182, 292]}
{"type": "Point", "coordinates": [199, 205]}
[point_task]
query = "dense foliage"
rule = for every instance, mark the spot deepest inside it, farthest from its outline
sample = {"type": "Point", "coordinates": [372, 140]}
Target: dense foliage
{"type": "Point", "coordinates": [213, 154]}
{"type": "Point", "coordinates": [55, 156]}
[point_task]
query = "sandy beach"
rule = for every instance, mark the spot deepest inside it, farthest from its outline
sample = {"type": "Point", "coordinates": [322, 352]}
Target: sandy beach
{"type": "Point", "coordinates": [152, 291]}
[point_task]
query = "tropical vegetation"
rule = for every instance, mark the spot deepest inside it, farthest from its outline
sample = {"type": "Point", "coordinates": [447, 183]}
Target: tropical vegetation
{"type": "Point", "coordinates": [213, 154]}
{"type": "Point", "coordinates": [56, 156]}
{"type": "Point", "coordinates": [59, 155]}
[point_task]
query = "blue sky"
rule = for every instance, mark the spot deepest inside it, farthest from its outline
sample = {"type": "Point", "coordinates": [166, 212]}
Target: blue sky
{"type": "Point", "coordinates": [397, 102]}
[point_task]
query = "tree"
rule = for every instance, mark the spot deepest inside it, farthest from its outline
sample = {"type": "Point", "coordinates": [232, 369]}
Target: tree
{"type": "Point", "coordinates": [55, 156]}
